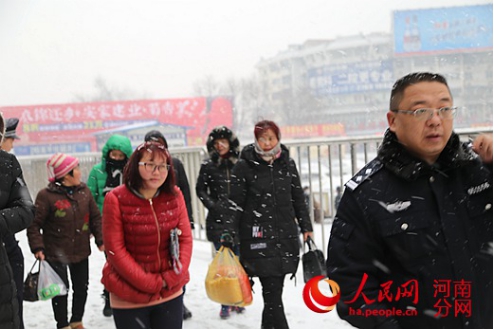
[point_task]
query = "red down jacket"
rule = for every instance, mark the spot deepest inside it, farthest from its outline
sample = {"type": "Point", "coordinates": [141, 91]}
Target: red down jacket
{"type": "Point", "coordinates": [136, 234]}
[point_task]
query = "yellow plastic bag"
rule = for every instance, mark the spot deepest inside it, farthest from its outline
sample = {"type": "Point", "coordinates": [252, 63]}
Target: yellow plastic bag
{"type": "Point", "coordinates": [227, 282]}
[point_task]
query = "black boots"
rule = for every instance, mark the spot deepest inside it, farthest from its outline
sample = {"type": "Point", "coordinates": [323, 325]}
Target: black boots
{"type": "Point", "coordinates": [187, 314]}
{"type": "Point", "coordinates": [107, 309]}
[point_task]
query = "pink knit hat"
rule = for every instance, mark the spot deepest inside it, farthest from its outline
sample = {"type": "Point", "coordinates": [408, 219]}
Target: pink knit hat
{"type": "Point", "coordinates": [59, 165]}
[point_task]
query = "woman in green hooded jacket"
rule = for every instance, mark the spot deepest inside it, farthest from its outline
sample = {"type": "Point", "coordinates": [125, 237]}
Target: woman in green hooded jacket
{"type": "Point", "coordinates": [107, 174]}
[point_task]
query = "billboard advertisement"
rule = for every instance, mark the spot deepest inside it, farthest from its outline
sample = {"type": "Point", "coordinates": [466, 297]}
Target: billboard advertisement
{"type": "Point", "coordinates": [442, 30]}
{"type": "Point", "coordinates": [73, 127]}
{"type": "Point", "coordinates": [312, 130]}
{"type": "Point", "coordinates": [348, 78]}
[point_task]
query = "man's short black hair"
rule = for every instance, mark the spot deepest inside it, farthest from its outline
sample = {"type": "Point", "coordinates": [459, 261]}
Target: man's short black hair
{"type": "Point", "coordinates": [408, 80]}
{"type": "Point", "coordinates": [156, 136]}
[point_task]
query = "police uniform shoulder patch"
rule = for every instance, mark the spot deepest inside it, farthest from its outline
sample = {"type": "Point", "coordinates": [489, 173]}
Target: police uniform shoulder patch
{"type": "Point", "coordinates": [367, 171]}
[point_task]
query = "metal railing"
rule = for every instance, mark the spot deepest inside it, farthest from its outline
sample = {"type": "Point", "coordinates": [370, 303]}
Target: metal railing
{"type": "Point", "coordinates": [323, 164]}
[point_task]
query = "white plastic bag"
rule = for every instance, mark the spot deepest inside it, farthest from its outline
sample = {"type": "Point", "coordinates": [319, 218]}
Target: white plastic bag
{"type": "Point", "coordinates": [49, 283]}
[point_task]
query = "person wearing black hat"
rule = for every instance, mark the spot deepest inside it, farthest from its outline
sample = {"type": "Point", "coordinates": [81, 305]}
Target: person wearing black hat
{"type": "Point", "coordinates": [10, 136]}
{"type": "Point", "coordinates": [14, 252]}
{"type": "Point", "coordinates": [17, 212]}
{"type": "Point", "coordinates": [182, 183]}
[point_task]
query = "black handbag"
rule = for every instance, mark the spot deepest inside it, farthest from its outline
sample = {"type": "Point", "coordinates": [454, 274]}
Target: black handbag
{"type": "Point", "coordinates": [313, 261]}
{"type": "Point", "coordinates": [31, 284]}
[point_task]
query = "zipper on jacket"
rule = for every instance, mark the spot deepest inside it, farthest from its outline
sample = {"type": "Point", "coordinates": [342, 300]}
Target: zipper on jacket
{"type": "Point", "coordinates": [275, 215]}
{"type": "Point", "coordinates": [159, 235]}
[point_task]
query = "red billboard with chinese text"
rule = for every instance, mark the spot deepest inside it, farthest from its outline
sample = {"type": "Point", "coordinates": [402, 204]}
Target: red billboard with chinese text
{"type": "Point", "coordinates": [77, 122]}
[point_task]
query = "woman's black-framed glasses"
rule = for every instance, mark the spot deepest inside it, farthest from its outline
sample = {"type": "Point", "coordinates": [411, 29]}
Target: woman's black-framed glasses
{"type": "Point", "coordinates": [150, 167]}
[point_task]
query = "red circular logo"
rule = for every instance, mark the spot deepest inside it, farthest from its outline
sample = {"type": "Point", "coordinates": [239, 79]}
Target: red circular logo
{"type": "Point", "coordinates": [316, 300]}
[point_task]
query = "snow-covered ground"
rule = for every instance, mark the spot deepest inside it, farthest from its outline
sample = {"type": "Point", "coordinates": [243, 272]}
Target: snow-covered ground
{"type": "Point", "coordinates": [205, 313]}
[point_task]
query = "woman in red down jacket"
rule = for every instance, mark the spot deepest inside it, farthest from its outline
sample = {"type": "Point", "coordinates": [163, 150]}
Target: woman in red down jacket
{"type": "Point", "coordinates": [144, 273]}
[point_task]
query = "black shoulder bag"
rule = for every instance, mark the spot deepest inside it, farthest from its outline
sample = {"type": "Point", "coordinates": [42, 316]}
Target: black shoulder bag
{"type": "Point", "coordinates": [313, 261]}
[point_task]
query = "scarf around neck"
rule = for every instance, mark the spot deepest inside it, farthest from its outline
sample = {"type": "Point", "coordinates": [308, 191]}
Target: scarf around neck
{"type": "Point", "coordinates": [114, 170]}
{"type": "Point", "coordinates": [269, 156]}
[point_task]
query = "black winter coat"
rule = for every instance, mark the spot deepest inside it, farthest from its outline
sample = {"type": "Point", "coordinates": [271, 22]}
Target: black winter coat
{"type": "Point", "coordinates": [268, 201]}
{"type": "Point", "coordinates": [403, 220]}
{"type": "Point", "coordinates": [16, 213]}
{"type": "Point", "coordinates": [213, 188]}
{"type": "Point", "coordinates": [183, 183]}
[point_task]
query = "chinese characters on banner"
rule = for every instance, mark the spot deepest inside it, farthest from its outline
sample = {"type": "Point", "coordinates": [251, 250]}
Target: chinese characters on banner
{"type": "Point", "coordinates": [77, 122]}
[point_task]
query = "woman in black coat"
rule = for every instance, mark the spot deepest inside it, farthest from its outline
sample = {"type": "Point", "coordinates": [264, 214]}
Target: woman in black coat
{"type": "Point", "coordinates": [269, 205]}
{"type": "Point", "coordinates": [213, 186]}
{"type": "Point", "coordinates": [213, 183]}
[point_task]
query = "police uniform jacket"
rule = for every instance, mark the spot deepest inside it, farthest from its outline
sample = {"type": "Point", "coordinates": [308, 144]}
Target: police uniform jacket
{"type": "Point", "coordinates": [415, 237]}
{"type": "Point", "coordinates": [16, 213]}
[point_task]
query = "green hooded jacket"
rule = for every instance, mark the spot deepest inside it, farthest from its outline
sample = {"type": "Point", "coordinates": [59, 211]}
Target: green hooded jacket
{"type": "Point", "coordinates": [97, 177]}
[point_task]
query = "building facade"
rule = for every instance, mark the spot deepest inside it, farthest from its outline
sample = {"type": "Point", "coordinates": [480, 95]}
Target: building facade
{"type": "Point", "coordinates": [347, 81]}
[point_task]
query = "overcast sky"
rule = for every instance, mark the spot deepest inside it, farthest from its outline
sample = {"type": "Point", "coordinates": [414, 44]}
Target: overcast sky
{"type": "Point", "coordinates": [51, 51]}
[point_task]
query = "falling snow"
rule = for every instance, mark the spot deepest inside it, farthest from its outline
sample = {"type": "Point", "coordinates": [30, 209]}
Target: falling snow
{"type": "Point", "coordinates": [205, 313]}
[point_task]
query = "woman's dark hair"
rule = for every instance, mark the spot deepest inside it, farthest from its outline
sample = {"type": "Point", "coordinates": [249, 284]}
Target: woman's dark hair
{"type": "Point", "coordinates": [132, 177]}
{"type": "Point", "coordinates": [263, 126]}
{"type": "Point", "coordinates": [413, 78]}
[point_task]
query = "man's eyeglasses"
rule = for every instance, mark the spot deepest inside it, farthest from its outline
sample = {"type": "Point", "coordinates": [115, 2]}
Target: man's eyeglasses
{"type": "Point", "coordinates": [427, 113]}
{"type": "Point", "coordinates": [150, 167]}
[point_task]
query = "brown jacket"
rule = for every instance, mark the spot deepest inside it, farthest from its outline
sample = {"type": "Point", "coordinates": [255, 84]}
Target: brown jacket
{"type": "Point", "coordinates": [67, 221]}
